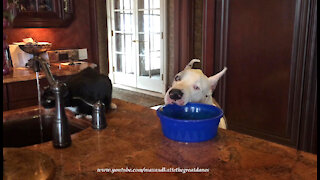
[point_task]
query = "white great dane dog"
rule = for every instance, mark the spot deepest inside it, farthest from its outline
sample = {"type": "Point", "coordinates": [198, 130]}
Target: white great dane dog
{"type": "Point", "coordinates": [191, 85]}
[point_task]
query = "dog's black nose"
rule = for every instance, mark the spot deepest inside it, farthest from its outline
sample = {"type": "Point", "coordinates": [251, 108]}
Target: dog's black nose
{"type": "Point", "coordinates": [175, 94]}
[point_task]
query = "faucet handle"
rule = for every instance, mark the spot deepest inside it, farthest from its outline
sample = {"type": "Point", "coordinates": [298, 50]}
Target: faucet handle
{"type": "Point", "coordinates": [98, 116]}
{"type": "Point", "coordinates": [98, 113]}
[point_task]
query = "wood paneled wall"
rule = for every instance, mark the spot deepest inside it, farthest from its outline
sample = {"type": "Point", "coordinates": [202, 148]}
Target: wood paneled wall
{"type": "Point", "coordinates": [183, 33]}
{"type": "Point", "coordinates": [269, 47]}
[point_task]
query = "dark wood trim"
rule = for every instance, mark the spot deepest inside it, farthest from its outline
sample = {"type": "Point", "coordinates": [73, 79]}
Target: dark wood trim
{"type": "Point", "coordinates": [298, 92]}
{"type": "Point", "coordinates": [54, 19]}
{"type": "Point", "coordinates": [94, 33]}
{"type": "Point", "coordinates": [296, 75]}
{"type": "Point", "coordinates": [307, 139]}
{"type": "Point", "coordinates": [102, 44]}
{"type": "Point", "coordinates": [221, 44]}
{"type": "Point", "coordinates": [107, 47]}
{"type": "Point", "coordinates": [177, 55]}
{"type": "Point", "coordinates": [208, 38]}
{"type": "Point", "coordinates": [183, 33]}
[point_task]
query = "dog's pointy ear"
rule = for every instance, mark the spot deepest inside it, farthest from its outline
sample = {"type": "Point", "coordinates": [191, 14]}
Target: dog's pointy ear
{"type": "Point", "coordinates": [193, 64]}
{"type": "Point", "coordinates": [214, 79]}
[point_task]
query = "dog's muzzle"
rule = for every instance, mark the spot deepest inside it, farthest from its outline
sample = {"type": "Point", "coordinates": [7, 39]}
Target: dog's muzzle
{"type": "Point", "coordinates": [175, 94]}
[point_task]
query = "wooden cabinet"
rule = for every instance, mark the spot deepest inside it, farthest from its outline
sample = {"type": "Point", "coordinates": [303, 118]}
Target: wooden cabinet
{"type": "Point", "coordinates": [269, 47]}
{"type": "Point", "coordinates": [44, 13]}
{"type": "Point", "coordinates": [5, 98]}
{"type": "Point", "coordinates": [23, 93]}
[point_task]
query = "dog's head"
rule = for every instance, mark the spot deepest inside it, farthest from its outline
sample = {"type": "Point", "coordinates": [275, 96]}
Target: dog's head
{"type": "Point", "coordinates": [191, 85]}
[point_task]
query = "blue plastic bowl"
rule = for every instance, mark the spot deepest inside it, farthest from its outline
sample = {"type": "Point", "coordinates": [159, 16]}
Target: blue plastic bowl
{"type": "Point", "coordinates": [193, 122]}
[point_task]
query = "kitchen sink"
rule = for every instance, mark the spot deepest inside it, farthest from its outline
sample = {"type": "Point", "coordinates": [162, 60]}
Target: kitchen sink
{"type": "Point", "coordinates": [24, 127]}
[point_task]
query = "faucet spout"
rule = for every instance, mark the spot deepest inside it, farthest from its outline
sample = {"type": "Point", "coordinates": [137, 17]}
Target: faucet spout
{"type": "Point", "coordinates": [37, 62]}
{"type": "Point", "coordinates": [60, 130]}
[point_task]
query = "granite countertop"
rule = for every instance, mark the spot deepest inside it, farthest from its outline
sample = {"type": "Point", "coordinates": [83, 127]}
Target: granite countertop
{"type": "Point", "coordinates": [25, 74]}
{"type": "Point", "coordinates": [133, 139]}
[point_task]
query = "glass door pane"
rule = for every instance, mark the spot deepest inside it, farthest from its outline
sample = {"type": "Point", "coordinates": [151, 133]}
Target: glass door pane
{"type": "Point", "coordinates": [150, 45]}
{"type": "Point", "coordinates": [149, 39]}
{"type": "Point", "coordinates": [124, 51]}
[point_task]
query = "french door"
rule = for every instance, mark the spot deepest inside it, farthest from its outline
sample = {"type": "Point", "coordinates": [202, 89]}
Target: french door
{"type": "Point", "coordinates": [136, 48]}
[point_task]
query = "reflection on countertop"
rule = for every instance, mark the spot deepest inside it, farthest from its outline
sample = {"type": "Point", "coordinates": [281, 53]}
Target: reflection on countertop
{"type": "Point", "coordinates": [57, 69]}
{"type": "Point", "coordinates": [133, 139]}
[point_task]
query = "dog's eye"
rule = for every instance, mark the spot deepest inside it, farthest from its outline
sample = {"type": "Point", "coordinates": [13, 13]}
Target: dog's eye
{"type": "Point", "coordinates": [177, 78]}
{"type": "Point", "coordinates": [196, 87]}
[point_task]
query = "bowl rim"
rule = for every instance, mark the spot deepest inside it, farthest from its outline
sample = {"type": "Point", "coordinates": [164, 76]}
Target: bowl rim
{"type": "Point", "coordinates": [219, 116]}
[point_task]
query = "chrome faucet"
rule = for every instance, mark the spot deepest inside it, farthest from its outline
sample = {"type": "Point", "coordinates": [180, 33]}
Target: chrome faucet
{"type": "Point", "coordinates": [60, 129]}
